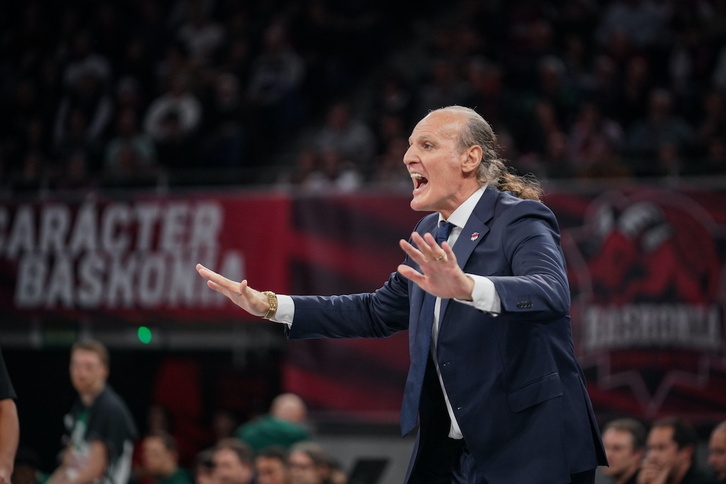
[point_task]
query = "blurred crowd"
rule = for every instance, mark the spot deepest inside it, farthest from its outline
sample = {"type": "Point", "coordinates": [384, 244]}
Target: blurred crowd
{"type": "Point", "coordinates": [102, 443]}
{"type": "Point", "coordinates": [322, 95]}
{"type": "Point", "coordinates": [274, 448]}
{"type": "Point", "coordinates": [664, 453]}
{"type": "Point", "coordinates": [122, 93]}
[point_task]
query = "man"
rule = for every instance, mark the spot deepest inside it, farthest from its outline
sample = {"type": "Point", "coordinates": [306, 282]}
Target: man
{"type": "Point", "coordinates": [232, 462]}
{"type": "Point", "coordinates": [100, 429]}
{"type": "Point", "coordinates": [161, 460]}
{"type": "Point", "coordinates": [9, 426]}
{"type": "Point", "coordinates": [624, 441]}
{"type": "Point", "coordinates": [717, 451]}
{"type": "Point", "coordinates": [282, 426]}
{"type": "Point", "coordinates": [669, 458]}
{"type": "Point", "coordinates": [308, 463]}
{"type": "Point", "coordinates": [271, 466]}
{"type": "Point", "coordinates": [493, 385]}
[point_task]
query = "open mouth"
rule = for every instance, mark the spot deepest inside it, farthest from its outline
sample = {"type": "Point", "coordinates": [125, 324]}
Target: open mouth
{"type": "Point", "coordinates": [419, 181]}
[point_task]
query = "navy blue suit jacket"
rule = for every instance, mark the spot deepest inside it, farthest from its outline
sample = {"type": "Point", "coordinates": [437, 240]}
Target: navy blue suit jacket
{"type": "Point", "coordinates": [513, 381]}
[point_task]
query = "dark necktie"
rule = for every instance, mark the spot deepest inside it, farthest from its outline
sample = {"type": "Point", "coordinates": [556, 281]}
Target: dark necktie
{"type": "Point", "coordinates": [444, 230]}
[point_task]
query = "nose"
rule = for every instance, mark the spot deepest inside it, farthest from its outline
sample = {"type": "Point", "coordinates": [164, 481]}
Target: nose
{"type": "Point", "coordinates": [408, 156]}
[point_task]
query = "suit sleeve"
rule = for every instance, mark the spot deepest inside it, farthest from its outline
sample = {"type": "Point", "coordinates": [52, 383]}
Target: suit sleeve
{"type": "Point", "coordinates": [537, 286]}
{"type": "Point", "coordinates": [371, 315]}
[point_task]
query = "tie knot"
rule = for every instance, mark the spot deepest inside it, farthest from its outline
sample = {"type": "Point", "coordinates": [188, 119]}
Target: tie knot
{"type": "Point", "coordinates": [443, 231]}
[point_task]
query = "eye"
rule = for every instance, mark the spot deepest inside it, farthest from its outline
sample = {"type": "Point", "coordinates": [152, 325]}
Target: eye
{"type": "Point", "coordinates": [427, 146]}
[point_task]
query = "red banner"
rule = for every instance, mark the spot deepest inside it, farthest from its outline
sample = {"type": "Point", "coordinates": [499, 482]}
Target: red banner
{"type": "Point", "coordinates": [646, 270]}
{"type": "Point", "coordinates": [133, 259]}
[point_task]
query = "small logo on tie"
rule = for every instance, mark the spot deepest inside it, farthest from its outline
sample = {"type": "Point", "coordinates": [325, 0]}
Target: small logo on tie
{"type": "Point", "coordinates": [475, 236]}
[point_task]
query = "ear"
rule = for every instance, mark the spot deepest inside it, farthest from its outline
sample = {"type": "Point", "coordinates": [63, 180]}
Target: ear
{"type": "Point", "coordinates": [472, 158]}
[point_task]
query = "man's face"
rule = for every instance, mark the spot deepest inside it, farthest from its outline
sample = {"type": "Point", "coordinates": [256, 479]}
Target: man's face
{"type": "Point", "coordinates": [663, 451]}
{"type": "Point", "coordinates": [717, 453]}
{"type": "Point", "coordinates": [270, 470]}
{"type": "Point", "coordinates": [623, 459]}
{"type": "Point", "coordinates": [435, 164]}
{"type": "Point", "coordinates": [302, 469]}
{"type": "Point", "coordinates": [229, 469]}
{"type": "Point", "coordinates": [155, 456]}
{"type": "Point", "coordinates": [88, 373]}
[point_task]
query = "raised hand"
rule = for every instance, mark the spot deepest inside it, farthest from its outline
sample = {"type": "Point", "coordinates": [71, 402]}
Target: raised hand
{"type": "Point", "coordinates": [251, 300]}
{"type": "Point", "coordinates": [440, 275]}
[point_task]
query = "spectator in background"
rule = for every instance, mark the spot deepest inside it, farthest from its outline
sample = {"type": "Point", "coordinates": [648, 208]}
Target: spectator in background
{"type": "Point", "coordinates": [305, 166]}
{"type": "Point", "coordinates": [443, 88]}
{"type": "Point", "coordinates": [232, 462]}
{"type": "Point", "coordinates": [661, 125]}
{"type": "Point", "coordinates": [391, 97]}
{"type": "Point", "coordinates": [554, 86]}
{"type": "Point", "coordinates": [85, 62]}
{"type": "Point", "coordinates": [130, 154]}
{"type": "Point", "coordinates": [333, 174]}
{"type": "Point", "coordinates": [178, 99]}
{"type": "Point", "coordinates": [271, 466]}
{"type": "Point", "coordinates": [276, 77]}
{"type": "Point", "coordinates": [161, 460]}
{"type": "Point", "coordinates": [308, 463]}
{"type": "Point", "coordinates": [283, 425]}
{"type": "Point", "coordinates": [640, 20]}
{"type": "Point", "coordinates": [592, 136]}
{"type": "Point", "coordinates": [83, 116]}
{"type": "Point", "coordinates": [670, 455]}
{"type": "Point", "coordinates": [624, 442]}
{"type": "Point", "coordinates": [717, 452]}
{"type": "Point", "coordinates": [347, 135]}
{"type": "Point", "coordinates": [201, 37]}
{"type": "Point", "coordinates": [223, 127]}
{"type": "Point", "coordinates": [490, 96]}
{"type": "Point", "coordinates": [100, 429]}
{"type": "Point", "coordinates": [9, 427]}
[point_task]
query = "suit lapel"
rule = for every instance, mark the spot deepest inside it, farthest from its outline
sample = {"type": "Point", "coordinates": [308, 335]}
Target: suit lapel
{"type": "Point", "coordinates": [473, 232]}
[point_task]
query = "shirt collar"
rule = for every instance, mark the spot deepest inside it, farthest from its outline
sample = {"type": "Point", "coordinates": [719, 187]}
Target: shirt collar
{"type": "Point", "coordinates": [462, 213]}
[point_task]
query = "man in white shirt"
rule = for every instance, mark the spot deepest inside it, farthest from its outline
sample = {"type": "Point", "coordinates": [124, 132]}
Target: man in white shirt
{"type": "Point", "coordinates": [494, 387]}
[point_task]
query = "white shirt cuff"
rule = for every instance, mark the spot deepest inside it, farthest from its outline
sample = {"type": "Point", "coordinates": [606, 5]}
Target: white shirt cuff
{"type": "Point", "coordinates": [285, 310]}
{"type": "Point", "coordinates": [484, 295]}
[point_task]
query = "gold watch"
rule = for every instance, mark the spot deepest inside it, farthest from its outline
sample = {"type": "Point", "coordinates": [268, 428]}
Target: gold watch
{"type": "Point", "coordinates": [272, 301]}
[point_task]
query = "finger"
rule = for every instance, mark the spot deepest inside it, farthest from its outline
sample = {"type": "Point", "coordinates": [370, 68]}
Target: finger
{"type": "Point", "coordinates": [216, 287]}
{"type": "Point", "coordinates": [448, 252]}
{"type": "Point", "coordinates": [410, 273]}
{"type": "Point", "coordinates": [432, 250]}
{"type": "Point", "coordinates": [219, 279]}
{"type": "Point", "coordinates": [426, 244]}
{"type": "Point", "coordinates": [412, 252]}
